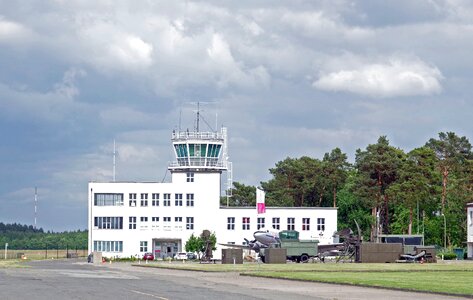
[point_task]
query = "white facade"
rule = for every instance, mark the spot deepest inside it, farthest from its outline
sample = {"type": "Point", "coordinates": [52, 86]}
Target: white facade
{"type": "Point", "coordinates": [131, 218]}
{"type": "Point", "coordinates": [469, 230]}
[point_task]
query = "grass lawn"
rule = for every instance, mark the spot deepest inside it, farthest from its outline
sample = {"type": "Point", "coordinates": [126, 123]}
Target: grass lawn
{"type": "Point", "coordinates": [11, 263]}
{"type": "Point", "coordinates": [454, 282]}
{"type": "Point", "coordinates": [443, 277]}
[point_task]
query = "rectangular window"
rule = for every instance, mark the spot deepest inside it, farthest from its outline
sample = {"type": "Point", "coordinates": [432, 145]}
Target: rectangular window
{"type": "Point", "coordinates": [108, 222]}
{"type": "Point", "coordinates": [144, 200]}
{"type": "Point", "coordinates": [112, 246]}
{"type": "Point", "coordinates": [178, 200]}
{"type": "Point", "coordinates": [190, 176]}
{"type": "Point", "coordinates": [230, 223]}
{"type": "Point", "coordinates": [276, 223]}
{"type": "Point", "coordinates": [144, 219]}
{"type": "Point", "coordinates": [246, 223]}
{"type": "Point", "coordinates": [189, 199]}
{"type": "Point", "coordinates": [107, 199]}
{"type": "Point", "coordinates": [155, 199]}
{"type": "Point", "coordinates": [132, 200]}
{"type": "Point", "coordinates": [167, 219]}
{"type": "Point", "coordinates": [155, 219]}
{"type": "Point", "coordinates": [177, 219]}
{"type": "Point", "coordinates": [306, 224]}
{"type": "Point", "coordinates": [167, 199]}
{"type": "Point", "coordinates": [132, 223]}
{"type": "Point", "coordinates": [189, 223]}
{"type": "Point", "coordinates": [260, 223]}
{"type": "Point", "coordinates": [143, 246]}
{"type": "Point", "coordinates": [291, 224]}
{"type": "Point", "coordinates": [321, 224]}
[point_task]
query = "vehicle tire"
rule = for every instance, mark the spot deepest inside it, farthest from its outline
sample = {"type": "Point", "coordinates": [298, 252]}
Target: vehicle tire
{"type": "Point", "coordinates": [263, 260]}
{"type": "Point", "coordinates": [304, 258]}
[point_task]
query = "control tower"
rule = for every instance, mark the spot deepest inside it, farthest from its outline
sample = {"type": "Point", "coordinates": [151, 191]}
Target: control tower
{"type": "Point", "coordinates": [200, 151]}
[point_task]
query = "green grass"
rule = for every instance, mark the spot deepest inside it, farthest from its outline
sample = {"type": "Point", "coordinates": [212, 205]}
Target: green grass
{"type": "Point", "coordinates": [11, 263]}
{"type": "Point", "coordinates": [442, 277]}
{"type": "Point", "coordinates": [453, 282]}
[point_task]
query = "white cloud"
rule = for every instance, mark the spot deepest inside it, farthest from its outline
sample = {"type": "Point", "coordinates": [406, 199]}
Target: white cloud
{"type": "Point", "coordinates": [12, 31]}
{"type": "Point", "coordinates": [396, 77]}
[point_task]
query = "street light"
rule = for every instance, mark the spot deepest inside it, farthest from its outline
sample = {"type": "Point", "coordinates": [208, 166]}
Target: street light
{"type": "Point", "coordinates": [444, 231]}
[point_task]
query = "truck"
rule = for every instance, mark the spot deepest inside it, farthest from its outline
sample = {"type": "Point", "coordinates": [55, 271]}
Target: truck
{"type": "Point", "coordinates": [297, 250]}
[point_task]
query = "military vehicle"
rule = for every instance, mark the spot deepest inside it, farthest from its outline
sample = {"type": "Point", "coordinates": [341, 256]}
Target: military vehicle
{"type": "Point", "coordinates": [297, 250]}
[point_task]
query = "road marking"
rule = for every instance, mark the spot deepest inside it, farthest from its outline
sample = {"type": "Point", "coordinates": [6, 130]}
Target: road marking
{"type": "Point", "coordinates": [151, 295]}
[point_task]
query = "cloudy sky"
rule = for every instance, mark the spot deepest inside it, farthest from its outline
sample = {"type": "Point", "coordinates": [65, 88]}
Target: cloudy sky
{"type": "Point", "coordinates": [288, 78]}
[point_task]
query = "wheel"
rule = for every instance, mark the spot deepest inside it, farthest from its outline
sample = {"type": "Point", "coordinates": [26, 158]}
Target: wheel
{"type": "Point", "coordinates": [263, 260]}
{"type": "Point", "coordinates": [304, 258]}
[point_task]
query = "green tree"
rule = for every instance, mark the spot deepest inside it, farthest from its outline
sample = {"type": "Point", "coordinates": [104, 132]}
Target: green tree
{"type": "Point", "coordinates": [242, 195]}
{"type": "Point", "coordinates": [451, 151]}
{"type": "Point", "coordinates": [336, 168]}
{"type": "Point", "coordinates": [377, 168]}
{"type": "Point", "coordinates": [416, 182]}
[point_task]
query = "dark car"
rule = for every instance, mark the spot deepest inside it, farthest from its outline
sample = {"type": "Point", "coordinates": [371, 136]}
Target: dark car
{"type": "Point", "coordinates": [148, 256]}
{"type": "Point", "coordinates": [191, 255]}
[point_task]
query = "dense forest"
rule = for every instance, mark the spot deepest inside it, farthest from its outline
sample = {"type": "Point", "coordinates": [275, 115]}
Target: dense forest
{"type": "Point", "coordinates": [27, 237]}
{"type": "Point", "coordinates": [386, 190]}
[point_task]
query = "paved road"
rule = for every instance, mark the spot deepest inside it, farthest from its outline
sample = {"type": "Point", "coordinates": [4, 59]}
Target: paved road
{"type": "Point", "coordinates": [75, 279]}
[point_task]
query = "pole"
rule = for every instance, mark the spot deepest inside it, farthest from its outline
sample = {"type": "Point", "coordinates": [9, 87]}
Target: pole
{"type": "Point", "coordinates": [423, 227]}
{"type": "Point", "coordinates": [418, 217]}
{"type": "Point", "coordinates": [6, 250]}
{"type": "Point", "coordinates": [444, 231]}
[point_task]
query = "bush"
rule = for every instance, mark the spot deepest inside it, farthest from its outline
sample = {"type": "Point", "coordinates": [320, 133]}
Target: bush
{"type": "Point", "coordinates": [448, 256]}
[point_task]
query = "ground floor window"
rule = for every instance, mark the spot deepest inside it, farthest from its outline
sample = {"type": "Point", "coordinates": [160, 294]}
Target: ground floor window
{"type": "Point", "coordinates": [230, 223]}
{"type": "Point", "coordinates": [108, 246]}
{"type": "Point", "coordinates": [291, 223]}
{"type": "Point", "coordinates": [246, 223]}
{"type": "Point", "coordinates": [321, 224]}
{"type": "Point", "coordinates": [276, 223]}
{"type": "Point", "coordinates": [143, 246]}
{"type": "Point", "coordinates": [190, 223]}
{"type": "Point", "coordinates": [260, 223]}
{"type": "Point", "coordinates": [305, 224]}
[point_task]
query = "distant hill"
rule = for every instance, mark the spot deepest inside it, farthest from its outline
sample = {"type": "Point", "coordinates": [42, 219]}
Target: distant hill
{"type": "Point", "coordinates": [20, 236]}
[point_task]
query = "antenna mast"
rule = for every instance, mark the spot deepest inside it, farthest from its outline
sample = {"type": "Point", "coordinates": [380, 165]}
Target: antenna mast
{"type": "Point", "coordinates": [35, 205]}
{"type": "Point", "coordinates": [198, 115]}
{"type": "Point", "coordinates": [114, 154]}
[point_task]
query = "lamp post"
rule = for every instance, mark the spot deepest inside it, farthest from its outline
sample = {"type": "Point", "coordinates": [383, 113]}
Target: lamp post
{"type": "Point", "coordinates": [444, 231]}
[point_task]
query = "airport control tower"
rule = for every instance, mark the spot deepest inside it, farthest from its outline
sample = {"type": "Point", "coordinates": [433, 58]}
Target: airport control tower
{"type": "Point", "coordinates": [201, 152]}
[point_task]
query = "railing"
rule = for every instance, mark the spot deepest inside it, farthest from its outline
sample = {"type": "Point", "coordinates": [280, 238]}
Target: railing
{"type": "Point", "coordinates": [184, 135]}
{"type": "Point", "coordinates": [199, 162]}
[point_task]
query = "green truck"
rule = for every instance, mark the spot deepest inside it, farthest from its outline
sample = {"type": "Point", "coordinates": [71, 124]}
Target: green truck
{"type": "Point", "coordinates": [297, 250]}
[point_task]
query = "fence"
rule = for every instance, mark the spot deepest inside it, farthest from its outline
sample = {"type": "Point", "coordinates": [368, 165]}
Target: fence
{"type": "Point", "coordinates": [44, 253]}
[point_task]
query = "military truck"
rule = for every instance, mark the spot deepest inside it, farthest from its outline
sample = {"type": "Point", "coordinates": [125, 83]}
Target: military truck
{"type": "Point", "coordinates": [297, 250]}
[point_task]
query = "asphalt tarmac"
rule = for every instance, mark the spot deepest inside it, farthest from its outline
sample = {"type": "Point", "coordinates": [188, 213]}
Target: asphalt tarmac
{"type": "Point", "coordinates": [76, 279]}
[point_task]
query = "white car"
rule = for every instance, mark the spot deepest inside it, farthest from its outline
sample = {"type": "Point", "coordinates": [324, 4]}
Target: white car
{"type": "Point", "coordinates": [180, 255]}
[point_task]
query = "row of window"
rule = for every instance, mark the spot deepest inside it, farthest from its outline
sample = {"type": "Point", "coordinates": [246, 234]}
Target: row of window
{"type": "Point", "coordinates": [189, 221]}
{"type": "Point", "coordinates": [102, 199]}
{"type": "Point", "coordinates": [108, 222]}
{"type": "Point", "coordinates": [108, 246]}
{"type": "Point", "coordinates": [276, 223]}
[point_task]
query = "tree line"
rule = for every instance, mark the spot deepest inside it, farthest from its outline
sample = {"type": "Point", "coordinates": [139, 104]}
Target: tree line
{"type": "Point", "coordinates": [386, 190]}
{"type": "Point", "coordinates": [24, 237]}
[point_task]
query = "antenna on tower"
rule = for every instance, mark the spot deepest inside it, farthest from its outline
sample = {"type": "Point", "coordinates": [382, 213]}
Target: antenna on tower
{"type": "Point", "coordinates": [35, 205]}
{"type": "Point", "coordinates": [114, 155]}
{"type": "Point", "coordinates": [198, 115]}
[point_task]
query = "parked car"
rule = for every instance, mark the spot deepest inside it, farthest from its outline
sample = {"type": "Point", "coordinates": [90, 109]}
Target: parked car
{"type": "Point", "coordinates": [148, 256]}
{"type": "Point", "coordinates": [180, 255]}
{"type": "Point", "coordinates": [191, 255]}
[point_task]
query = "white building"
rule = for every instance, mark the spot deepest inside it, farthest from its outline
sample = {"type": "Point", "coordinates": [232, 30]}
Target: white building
{"type": "Point", "coordinates": [131, 218]}
{"type": "Point", "coordinates": [469, 230]}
